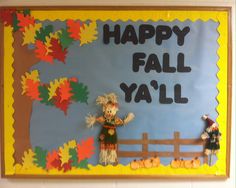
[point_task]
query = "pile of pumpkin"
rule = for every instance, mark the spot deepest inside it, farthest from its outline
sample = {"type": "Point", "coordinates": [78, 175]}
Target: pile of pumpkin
{"type": "Point", "coordinates": [145, 163]}
{"type": "Point", "coordinates": [194, 163]}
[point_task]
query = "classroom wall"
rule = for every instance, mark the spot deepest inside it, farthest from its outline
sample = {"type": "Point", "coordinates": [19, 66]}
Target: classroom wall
{"type": "Point", "coordinates": [42, 183]}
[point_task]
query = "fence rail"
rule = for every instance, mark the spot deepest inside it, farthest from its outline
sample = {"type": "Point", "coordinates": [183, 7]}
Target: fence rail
{"type": "Point", "coordinates": [176, 142]}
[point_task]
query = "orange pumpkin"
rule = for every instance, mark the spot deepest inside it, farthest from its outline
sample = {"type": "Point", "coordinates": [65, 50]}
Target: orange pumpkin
{"type": "Point", "coordinates": [196, 162]}
{"type": "Point", "coordinates": [141, 163]}
{"type": "Point", "coordinates": [134, 165]}
{"type": "Point", "coordinates": [155, 161]}
{"type": "Point", "coordinates": [188, 163]}
{"type": "Point", "coordinates": [175, 163]}
{"type": "Point", "coordinates": [148, 163]}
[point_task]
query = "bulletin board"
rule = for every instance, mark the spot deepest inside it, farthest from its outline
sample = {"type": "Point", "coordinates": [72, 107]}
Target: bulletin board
{"type": "Point", "coordinates": [115, 92]}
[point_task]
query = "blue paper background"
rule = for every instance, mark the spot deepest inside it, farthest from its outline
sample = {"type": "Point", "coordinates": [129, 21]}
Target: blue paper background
{"type": "Point", "coordinates": [103, 67]}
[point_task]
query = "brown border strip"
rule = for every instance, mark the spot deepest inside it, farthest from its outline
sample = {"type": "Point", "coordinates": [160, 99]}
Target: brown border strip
{"type": "Point", "coordinates": [121, 8]}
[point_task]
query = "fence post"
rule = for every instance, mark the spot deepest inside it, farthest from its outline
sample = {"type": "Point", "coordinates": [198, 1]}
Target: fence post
{"type": "Point", "coordinates": [176, 145]}
{"type": "Point", "coordinates": [145, 145]}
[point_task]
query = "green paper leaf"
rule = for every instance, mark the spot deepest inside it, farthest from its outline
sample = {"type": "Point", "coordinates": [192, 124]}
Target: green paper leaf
{"type": "Point", "coordinates": [80, 92]}
{"type": "Point", "coordinates": [44, 95]}
{"type": "Point", "coordinates": [43, 33]}
{"type": "Point", "coordinates": [83, 164]}
{"type": "Point", "coordinates": [65, 39]}
{"type": "Point", "coordinates": [15, 23]}
{"type": "Point", "coordinates": [26, 12]}
{"type": "Point", "coordinates": [73, 158]}
{"type": "Point", "coordinates": [40, 157]}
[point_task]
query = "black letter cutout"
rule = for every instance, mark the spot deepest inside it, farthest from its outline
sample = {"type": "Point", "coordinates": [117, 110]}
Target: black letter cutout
{"type": "Point", "coordinates": [128, 91]}
{"type": "Point", "coordinates": [107, 34]}
{"type": "Point", "coordinates": [178, 98]}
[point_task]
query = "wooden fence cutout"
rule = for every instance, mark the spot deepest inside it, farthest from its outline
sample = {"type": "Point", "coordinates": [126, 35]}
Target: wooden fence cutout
{"type": "Point", "coordinates": [176, 142]}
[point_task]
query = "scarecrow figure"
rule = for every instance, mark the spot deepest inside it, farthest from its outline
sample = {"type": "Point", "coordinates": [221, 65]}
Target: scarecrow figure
{"type": "Point", "coordinates": [109, 122]}
{"type": "Point", "coordinates": [212, 136]}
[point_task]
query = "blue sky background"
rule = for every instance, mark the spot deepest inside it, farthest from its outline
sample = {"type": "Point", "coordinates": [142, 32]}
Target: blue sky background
{"type": "Point", "coordinates": [103, 67]}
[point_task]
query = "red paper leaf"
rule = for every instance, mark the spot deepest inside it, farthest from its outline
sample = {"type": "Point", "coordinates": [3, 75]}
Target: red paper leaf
{"type": "Point", "coordinates": [52, 159]}
{"type": "Point", "coordinates": [57, 51]}
{"type": "Point", "coordinates": [62, 105]}
{"type": "Point", "coordinates": [6, 16]}
{"type": "Point", "coordinates": [56, 164]}
{"type": "Point", "coordinates": [66, 166]}
{"type": "Point", "coordinates": [74, 29]}
{"type": "Point", "coordinates": [41, 52]}
{"type": "Point", "coordinates": [65, 91]}
{"type": "Point", "coordinates": [24, 21]}
{"type": "Point", "coordinates": [32, 89]}
{"type": "Point", "coordinates": [85, 149]}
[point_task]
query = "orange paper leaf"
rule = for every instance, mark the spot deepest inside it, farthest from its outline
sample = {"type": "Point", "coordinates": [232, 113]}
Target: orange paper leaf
{"type": "Point", "coordinates": [74, 29]}
{"type": "Point", "coordinates": [65, 91]}
{"type": "Point", "coordinates": [42, 52]}
{"type": "Point", "coordinates": [32, 89]}
{"type": "Point", "coordinates": [85, 149]}
{"type": "Point", "coordinates": [51, 158]}
{"type": "Point", "coordinates": [24, 21]}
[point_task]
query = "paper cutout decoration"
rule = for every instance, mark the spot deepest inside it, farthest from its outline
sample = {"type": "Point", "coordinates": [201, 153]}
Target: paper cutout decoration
{"type": "Point", "coordinates": [24, 21]}
{"type": "Point", "coordinates": [88, 33]}
{"type": "Point", "coordinates": [71, 154]}
{"type": "Point", "coordinates": [212, 136]}
{"type": "Point", "coordinates": [59, 93]}
{"type": "Point", "coordinates": [110, 121]}
{"type": "Point", "coordinates": [29, 33]}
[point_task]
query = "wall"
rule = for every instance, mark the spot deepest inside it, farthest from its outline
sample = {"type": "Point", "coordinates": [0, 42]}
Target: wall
{"type": "Point", "coordinates": [229, 183]}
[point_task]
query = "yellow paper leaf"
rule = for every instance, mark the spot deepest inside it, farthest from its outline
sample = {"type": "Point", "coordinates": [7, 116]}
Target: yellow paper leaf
{"type": "Point", "coordinates": [33, 75]}
{"type": "Point", "coordinates": [53, 85]}
{"type": "Point", "coordinates": [64, 151]}
{"type": "Point", "coordinates": [29, 33]}
{"type": "Point", "coordinates": [48, 40]}
{"type": "Point", "coordinates": [88, 33]}
{"type": "Point", "coordinates": [28, 159]}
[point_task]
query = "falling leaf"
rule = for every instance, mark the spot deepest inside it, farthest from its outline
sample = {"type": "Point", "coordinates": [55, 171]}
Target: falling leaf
{"type": "Point", "coordinates": [65, 39]}
{"type": "Point", "coordinates": [65, 90]}
{"type": "Point", "coordinates": [51, 158]}
{"type": "Point", "coordinates": [41, 52]}
{"type": "Point", "coordinates": [33, 75]}
{"type": "Point", "coordinates": [24, 21]}
{"type": "Point", "coordinates": [56, 50]}
{"type": "Point", "coordinates": [64, 151]}
{"type": "Point", "coordinates": [32, 89]}
{"type": "Point", "coordinates": [6, 16]}
{"type": "Point", "coordinates": [29, 33]}
{"type": "Point", "coordinates": [85, 149]}
{"type": "Point", "coordinates": [88, 33]}
{"type": "Point", "coordinates": [40, 157]}
{"type": "Point", "coordinates": [43, 33]}
{"type": "Point", "coordinates": [74, 28]}
{"type": "Point", "coordinates": [79, 91]}
{"type": "Point", "coordinates": [28, 159]}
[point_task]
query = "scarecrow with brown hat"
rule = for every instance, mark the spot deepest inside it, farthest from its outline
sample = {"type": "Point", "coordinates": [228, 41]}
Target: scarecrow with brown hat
{"type": "Point", "coordinates": [212, 136]}
{"type": "Point", "coordinates": [110, 121]}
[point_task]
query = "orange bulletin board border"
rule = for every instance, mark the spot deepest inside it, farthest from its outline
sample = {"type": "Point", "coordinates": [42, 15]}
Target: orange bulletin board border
{"type": "Point", "coordinates": [220, 14]}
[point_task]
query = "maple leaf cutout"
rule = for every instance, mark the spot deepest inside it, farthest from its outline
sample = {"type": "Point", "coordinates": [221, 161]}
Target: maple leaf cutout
{"type": "Point", "coordinates": [88, 33]}
{"type": "Point", "coordinates": [65, 90]}
{"type": "Point", "coordinates": [47, 42]}
{"type": "Point", "coordinates": [52, 159]}
{"type": "Point", "coordinates": [85, 149]}
{"type": "Point", "coordinates": [41, 52]}
{"type": "Point", "coordinates": [29, 33]}
{"type": "Point", "coordinates": [62, 105]}
{"type": "Point", "coordinates": [32, 89]}
{"type": "Point", "coordinates": [64, 151]}
{"type": "Point", "coordinates": [28, 160]}
{"type": "Point", "coordinates": [33, 75]}
{"type": "Point", "coordinates": [56, 50]}
{"type": "Point", "coordinates": [54, 85]}
{"type": "Point", "coordinates": [74, 28]}
{"type": "Point", "coordinates": [24, 21]}
{"type": "Point", "coordinates": [6, 16]}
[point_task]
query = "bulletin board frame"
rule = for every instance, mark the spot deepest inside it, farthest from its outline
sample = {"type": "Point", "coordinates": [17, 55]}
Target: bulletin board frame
{"type": "Point", "coordinates": [221, 14]}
